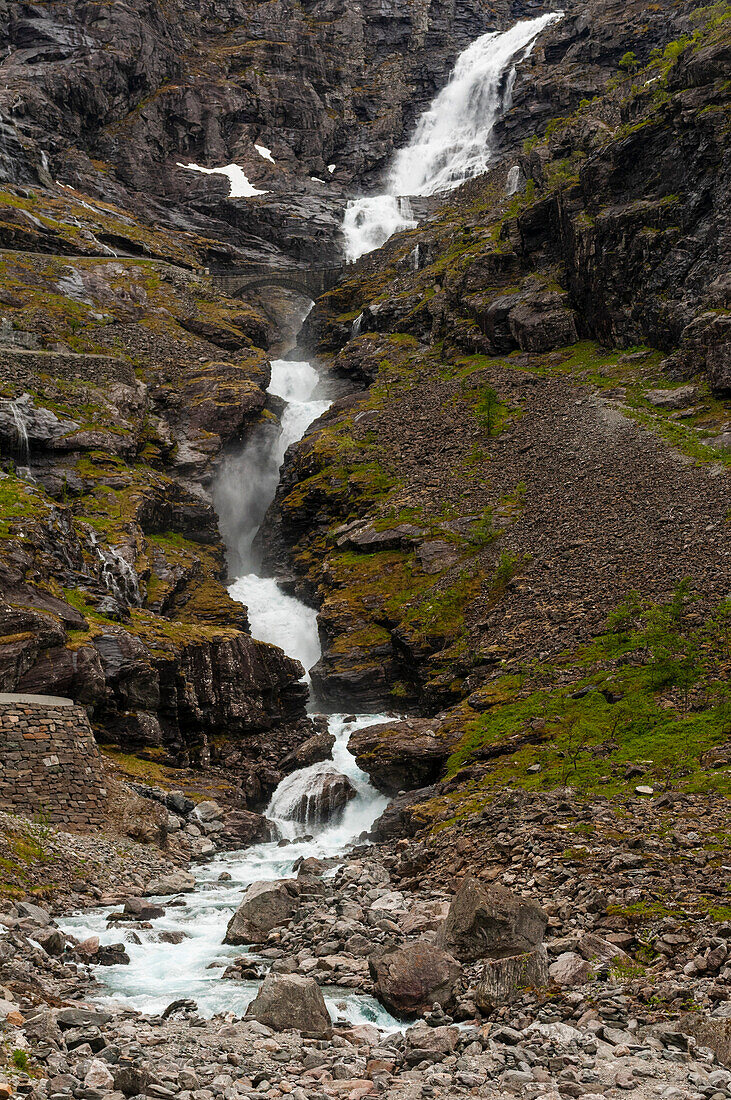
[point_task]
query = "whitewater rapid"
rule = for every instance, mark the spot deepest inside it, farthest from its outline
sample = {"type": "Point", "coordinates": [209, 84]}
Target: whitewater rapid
{"type": "Point", "coordinates": [451, 142]}
{"type": "Point", "coordinates": [159, 973]}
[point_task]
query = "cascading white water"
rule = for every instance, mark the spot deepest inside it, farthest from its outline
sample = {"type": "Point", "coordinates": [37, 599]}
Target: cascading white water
{"type": "Point", "coordinates": [159, 973]}
{"type": "Point", "coordinates": [449, 144]}
{"type": "Point", "coordinates": [451, 141]}
{"type": "Point", "coordinates": [19, 412]}
{"type": "Point", "coordinates": [117, 574]}
{"type": "Point", "coordinates": [248, 481]}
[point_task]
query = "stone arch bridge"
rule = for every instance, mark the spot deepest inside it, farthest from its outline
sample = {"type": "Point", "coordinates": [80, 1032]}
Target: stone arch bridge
{"type": "Point", "coordinates": [310, 281]}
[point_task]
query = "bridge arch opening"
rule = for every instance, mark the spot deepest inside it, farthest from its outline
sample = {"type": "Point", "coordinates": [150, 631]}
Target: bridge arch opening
{"type": "Point", "coordinates": [281, 282]}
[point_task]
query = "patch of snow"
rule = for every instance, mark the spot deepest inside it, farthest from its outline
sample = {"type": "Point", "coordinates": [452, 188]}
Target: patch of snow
{"type": "Point", "coordinates": [266, 153]}
{"type": "Point", "coordinates": [331, 168]}
{"type": "Point", "coordinates": [316, 179]}
{"type": "Point", "coordinates": [240, 186]}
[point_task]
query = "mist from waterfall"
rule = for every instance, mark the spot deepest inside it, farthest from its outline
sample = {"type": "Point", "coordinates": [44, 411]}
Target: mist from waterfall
{"type": "Point", "coordinates": [247, 481]}
{"type": "Point", "coordinates": [452, 140]}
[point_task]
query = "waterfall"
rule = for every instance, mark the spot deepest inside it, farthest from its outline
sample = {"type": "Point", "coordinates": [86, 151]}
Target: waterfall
{"type": "Point", "coordinates": [117, 574]}
{"type": "Point", "coordinates": [247, 482]}
{"type": "Point", "coordinates": [451, 141]}
{"type": "Point", "coordinates": [21, 420]}
{"type": "Point", "coordinates": [512, 184]}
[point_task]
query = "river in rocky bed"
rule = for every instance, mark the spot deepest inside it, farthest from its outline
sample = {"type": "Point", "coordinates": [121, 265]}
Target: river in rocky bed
{"type": "Point", "coordinates": [161, 972]}
{"type": "Point", "coordinates": [450, 144]}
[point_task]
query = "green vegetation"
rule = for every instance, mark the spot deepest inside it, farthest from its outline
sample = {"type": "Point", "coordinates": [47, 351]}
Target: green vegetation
{"type": "Point", "coordinates": [489, 411]}
{"type": "Point", "coordinates": [19, 501]}
{"type": "Point", "coordinates": [653, 692]}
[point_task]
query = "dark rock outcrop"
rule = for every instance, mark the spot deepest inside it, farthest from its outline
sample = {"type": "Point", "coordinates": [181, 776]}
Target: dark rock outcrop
{"type": "Point", "coordinates": [411, 979]}
{"type": "Point", "coordinates": [312, 751]}
{"type": "Point", "coordinates": [401, 756]}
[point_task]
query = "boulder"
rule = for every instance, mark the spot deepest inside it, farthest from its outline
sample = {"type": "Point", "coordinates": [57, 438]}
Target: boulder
{"type": "Point", "coordinates": [542, 322]}
{"type": "Point", "coordinates": [52, 941]}
{"type": "Point", "coordinates": [490, 922]}
{"type": "Point", "coordinates": [242, 828]}
{"type": "Point", "coordinates": [402, 756]}
{"type": "Point", "coordinates": [10, 1012]}
{"type": "Point", "coordinates": [292, 1001]}
{"type": "Point", "coordinates": [425, 1043]}
{"type": "Point", "coordinates": [325, 799]}
{"type": "Point", "coordinates": [596, 949]}
{"type": "Point", "coordinates": [404, 816]}
{"type": "Point", "coordinates": [710, 1031]}
{"type": "Point", "coordinates": [679, 398]}
{"type": "Point", "coordinates": [177, 882]}
{"type": "Point", "coordinates": [264, 906]}
{"type": "Point", "coordinates": [505, 980]}
{"type": "Point", "coordinates": [26, 910]}
{"type": "Point", "coordinates": [207, 811]}
{"type": "Point", "coordinates": [411, 979]}
{"type": "Point", "coordinates": [81, 1017]}
{"type": "Point", "coordinates": [313, 796]}
{"type": "Point", "coordinates": [111, 954]}
{"type": "Point", "coordinates": [138, 909]}
{"type": "Point", "coordinates": [312, 751]}
{"type": "Point", "coordinates": [570, 969]}
{"type": "Point", "coordinates": [98, 1076]}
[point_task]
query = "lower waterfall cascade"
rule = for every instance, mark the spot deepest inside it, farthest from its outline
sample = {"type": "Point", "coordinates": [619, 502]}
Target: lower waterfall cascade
{"type": "Point", "coordinates": [451, 140]}
{"type": "Point", "coordinates": [158, 973]}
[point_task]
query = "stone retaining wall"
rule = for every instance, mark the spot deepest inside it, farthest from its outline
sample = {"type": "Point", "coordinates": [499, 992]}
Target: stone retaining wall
{"type": "Point", "coordinates": [49, 761]}
{"type": "Point", "coordinates": [24, 367]}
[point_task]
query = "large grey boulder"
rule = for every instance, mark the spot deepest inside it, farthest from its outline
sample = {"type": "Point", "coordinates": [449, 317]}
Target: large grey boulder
{"type": "Point", "coordinates": [264, 906]}
{"type": "Point", "coordinates": [175, 882]}
{"type": "Point", "coordinates": [292, 1001]}
{"type": "Point", "coordinates": [411, 979]}
{"type": "Point", "coordinates": [490, 922]}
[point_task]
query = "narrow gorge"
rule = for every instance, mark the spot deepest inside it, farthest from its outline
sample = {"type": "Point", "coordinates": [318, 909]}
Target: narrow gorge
{"type": "Point", "coordinates": [365, 572]}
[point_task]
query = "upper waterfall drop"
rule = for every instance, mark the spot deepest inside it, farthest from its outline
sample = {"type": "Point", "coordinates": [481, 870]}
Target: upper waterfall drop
{"type": "Point", "coordinates": [451, 142]}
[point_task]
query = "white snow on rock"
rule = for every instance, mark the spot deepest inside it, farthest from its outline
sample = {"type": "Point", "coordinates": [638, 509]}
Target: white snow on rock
{"type": "Point", "coordinates": [240, 186]}
{"type": "Point", "coordinates": [266, 153]}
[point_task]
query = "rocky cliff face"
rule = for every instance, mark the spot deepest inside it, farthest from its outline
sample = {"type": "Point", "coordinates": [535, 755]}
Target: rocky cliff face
{"type": "Point", "coordinates": [544, 425]}
{"type": "Point", "coordinates": [123, 382]}
{"type": "Point", "coordinates": [423, 514]}
{"type": "Point", "coordinates": [112, 99]}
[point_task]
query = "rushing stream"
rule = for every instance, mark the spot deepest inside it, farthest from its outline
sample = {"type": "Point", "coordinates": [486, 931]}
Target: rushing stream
{"type": "Point", "coordinates": [450, 144]}
{"type": "Point", "coordinates": [159, 973]}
